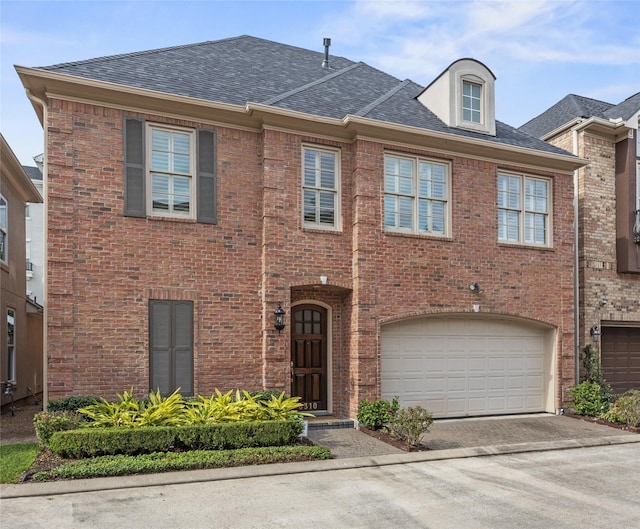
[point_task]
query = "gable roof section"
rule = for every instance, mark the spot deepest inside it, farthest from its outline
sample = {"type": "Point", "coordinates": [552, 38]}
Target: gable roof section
{"type": "Point", "coordinates": [32, 172]}
{"type": "Point", "coordinates": [247, 70]}
{"type": "Point", "coordinates": [625, 110]}
{"type": "Point", "coordinates": [567, 109]}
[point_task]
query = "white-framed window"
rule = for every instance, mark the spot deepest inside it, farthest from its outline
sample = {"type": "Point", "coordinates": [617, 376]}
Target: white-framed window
{"type": "Point", "coordinates": [11, 344]}
{"type": "Point", "coordinates": [4, 229]}
{"type": "Point", "coordinates": [171, 171]}
{"type": "Point", "coordinates": [638, 184]}
{"type": "Point", "coordinates": [416, 195]}
{"type": "Point", "coordinates": [471, 102]}
{"type": "Point", "coordinates": [524, 205]}
{"type": "Point", "coordinates": [320, 187]}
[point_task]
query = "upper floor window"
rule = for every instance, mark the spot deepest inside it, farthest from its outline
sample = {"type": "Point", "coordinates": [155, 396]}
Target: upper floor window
{"type": "Point", "coordinates": [320, 188]}
{"type": "Point", "coordinates": [524, 205]}
{"type": "Point", "coordinates": [171, 172]}
{"type": "Point", "coordinates": [471, 102]}
{"type": "Point", "coordinates": [416, 195]}
{"type": "Point", "coordinates": [4, 228]}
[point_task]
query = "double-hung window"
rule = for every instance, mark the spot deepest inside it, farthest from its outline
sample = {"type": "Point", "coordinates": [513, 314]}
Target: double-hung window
{"type": "Point", "coordinates": [416, 195]}
{"type": "Point", "coordinates": [320, 188]}
{"type": "Point", "coordinates": [171, 172]}
{"type": "Point", "coordinates": [4, 228]}
{"type": "Point", "coordinates": [524, 205]}
{"type": "Point", "coordinates": [471, 102]}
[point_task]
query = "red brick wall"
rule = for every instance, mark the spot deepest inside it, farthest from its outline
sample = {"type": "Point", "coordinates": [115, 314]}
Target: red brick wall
{"type": "Point", "coordinates": [105, 267]}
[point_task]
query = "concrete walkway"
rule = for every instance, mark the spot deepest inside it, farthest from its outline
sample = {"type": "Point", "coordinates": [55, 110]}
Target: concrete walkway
{"type": "Point", "coordinates": [448, 439]}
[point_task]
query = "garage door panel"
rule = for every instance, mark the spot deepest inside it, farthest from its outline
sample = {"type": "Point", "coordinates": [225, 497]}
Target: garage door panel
{"type": "Point", "coordinates": [465, 368]}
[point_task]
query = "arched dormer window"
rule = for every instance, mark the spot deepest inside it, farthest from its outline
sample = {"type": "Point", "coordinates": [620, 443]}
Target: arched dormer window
{"type": "Point", "coordinates": [463, 96]}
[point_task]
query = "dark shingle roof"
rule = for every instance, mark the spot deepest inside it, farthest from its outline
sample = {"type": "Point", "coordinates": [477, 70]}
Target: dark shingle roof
{"type": "Point", "coordinates": [247, 69]}
{"type": "Point", "coordinates": [573, 106]}
{"type": "Point", "coordinates": [32, 172]}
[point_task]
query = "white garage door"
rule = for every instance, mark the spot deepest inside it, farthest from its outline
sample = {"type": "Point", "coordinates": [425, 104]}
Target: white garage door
{"type": "Point", "coordinates": [459, 367]}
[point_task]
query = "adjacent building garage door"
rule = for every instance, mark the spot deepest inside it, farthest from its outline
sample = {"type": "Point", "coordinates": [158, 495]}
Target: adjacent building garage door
{"type": "Point", "coordinates": [458, 367]}
{"type": "Point", "coordinates": [621, 357]}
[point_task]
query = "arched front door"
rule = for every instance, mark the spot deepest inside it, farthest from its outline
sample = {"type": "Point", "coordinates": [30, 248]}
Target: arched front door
{"type": "Point", "coordinates": [309, 356]}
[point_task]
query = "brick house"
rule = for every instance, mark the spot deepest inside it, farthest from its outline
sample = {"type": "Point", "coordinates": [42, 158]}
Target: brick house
{"type": "Point", "coordinates": [21, 320]}
{"type": "Point", "coordinates": [608, 224]}
{"type": "Point", "coordinates": [417, 246]}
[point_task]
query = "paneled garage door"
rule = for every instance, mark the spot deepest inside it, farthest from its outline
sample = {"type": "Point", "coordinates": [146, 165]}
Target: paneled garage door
{"type": "Point", "coordinates": [621, 357]}
{"type": "Point", "coordinates": [459, 367]}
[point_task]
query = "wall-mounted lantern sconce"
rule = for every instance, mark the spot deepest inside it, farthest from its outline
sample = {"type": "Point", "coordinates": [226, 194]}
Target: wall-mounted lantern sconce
{"type": "Point", "coordinates": [475, 288]}
{"type": "Point", "coordinates": [595, 333]}
{"type": "Point", "coordinates": [636, 227]}
{"type": "Point", "coordinates": [279, 318]}
{"type": "Point", "coordinates": [603, 302]}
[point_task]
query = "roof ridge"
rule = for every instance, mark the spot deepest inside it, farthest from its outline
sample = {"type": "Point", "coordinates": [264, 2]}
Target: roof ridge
{"type": "Point", "coordinates": [139, 53]}
{"type": "Point", "coordinates": [365, 110]}
{"type": "Point", "coordinates": [591, 99]}
{"type": "Point", "coordinates": [284, 95]}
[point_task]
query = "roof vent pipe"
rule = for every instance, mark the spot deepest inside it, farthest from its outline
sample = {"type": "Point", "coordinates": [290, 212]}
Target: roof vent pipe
{"type": "Point", "coordinates": [326, 42]}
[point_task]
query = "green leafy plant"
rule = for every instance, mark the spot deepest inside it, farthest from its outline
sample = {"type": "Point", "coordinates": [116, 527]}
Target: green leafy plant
{"type": "Point", "coordinates": [589, 399]}
{"type": "Point", "coordinates": [73, 403]}
{"type": "Point", "coordinates": [120, 465]}
{"type": "Point", "coordinates": [377, 414]}
{"type": "Point", "coordinates": [409, 424]}
{"type": "Point", "coordinates": [628, 405]}
{"type": "Point", "coordinates": [130, 412]}
{"type": "Point", "coordinates": [46, 423]}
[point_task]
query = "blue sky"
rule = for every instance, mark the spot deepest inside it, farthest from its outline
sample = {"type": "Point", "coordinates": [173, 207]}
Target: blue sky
{"type": "Point", "coordinates": [539, 50]}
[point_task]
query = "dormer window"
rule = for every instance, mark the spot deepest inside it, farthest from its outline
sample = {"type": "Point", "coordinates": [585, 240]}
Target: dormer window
{"type": "Point", "coordinates": [471, 102]}
{"type": "Point", "coordinates": [463, 96]}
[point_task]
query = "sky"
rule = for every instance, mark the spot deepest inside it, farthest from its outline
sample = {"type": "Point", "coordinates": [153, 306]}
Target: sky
{"type": "Point", "coordinates": [539, 50]}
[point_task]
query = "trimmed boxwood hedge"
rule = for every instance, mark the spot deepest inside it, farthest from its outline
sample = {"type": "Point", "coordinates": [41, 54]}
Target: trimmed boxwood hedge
{"type": "Point", "coordinates": [92, 442]}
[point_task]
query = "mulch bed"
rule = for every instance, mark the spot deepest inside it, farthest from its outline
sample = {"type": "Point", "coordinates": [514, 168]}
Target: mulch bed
{"type": "Point", "coordinates": [385, 437]}
{"type": "Point", "coordinates": [632, 429]}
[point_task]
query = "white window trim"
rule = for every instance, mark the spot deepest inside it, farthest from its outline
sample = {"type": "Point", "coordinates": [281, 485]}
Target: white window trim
{"type": "Point", "coordinates": [4, 230]}
{"type": "Point", "coordinates": [149, 170]}
{"type": "Point", "coordinates": [521, 216]}
{"type": "Point", "coordinates": [337, 224]}
{"type": "Point", "coordinates": [638, 184]}
{"type": "Point", "coordinates": [414, 229]}
{"type": "Point", "coordinates": [481, 85]}
{"type": "Point", "coordinates": [11, 347]}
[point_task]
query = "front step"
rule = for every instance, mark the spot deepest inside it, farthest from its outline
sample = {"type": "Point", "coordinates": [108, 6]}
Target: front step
{"type": "Point", "coordinates": [328, 423]}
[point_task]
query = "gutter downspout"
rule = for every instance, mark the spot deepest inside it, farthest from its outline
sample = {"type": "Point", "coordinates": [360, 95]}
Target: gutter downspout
{"type": "Point", "coordinates": [45, 217]}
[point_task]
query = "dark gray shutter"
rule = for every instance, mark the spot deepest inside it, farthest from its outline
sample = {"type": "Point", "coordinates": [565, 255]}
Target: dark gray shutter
{"type": "Point", "coordinates": [171, 346]}
{"type": "Point", "coordinates": [160, 346]}
{"type": "Point", "coordinates": [134, 186]}
{"type": "Point", "coordinates": [183, 342]}
{"type": "Point", "coordinates": [207, 192]}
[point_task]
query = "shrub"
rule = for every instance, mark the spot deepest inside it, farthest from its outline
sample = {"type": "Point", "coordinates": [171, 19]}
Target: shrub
{"type": "Point", "coordinates": [121, 465]}
{"type": "Point", "coordinates": [130, 412]}
{"type": "Point", "coordinates": [92, 442]}
{"type": "Point", "coordinates": [628, 405]}
{"type": "Point", "coordinates": [410, 423]}
{"type": "Point", "coordinates": [377, 414]}
{"type": "Point", "coordinates": [589, 399]}
{"type": "Point", "coordinates": [46, 423]}
{"type": "Point", "coordinates": [73, 403]}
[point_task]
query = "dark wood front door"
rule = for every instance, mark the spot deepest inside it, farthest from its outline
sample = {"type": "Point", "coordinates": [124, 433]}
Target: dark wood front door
{"type": "Point", "coordinates": [621, 357]}
{"type": "Point", "coordinates": [309, 356]}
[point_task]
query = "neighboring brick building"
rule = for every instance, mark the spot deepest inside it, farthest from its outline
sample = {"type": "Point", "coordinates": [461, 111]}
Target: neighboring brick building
{"type": "Point", "coordinates": [417, 246]}
{"type": "Point", "coordinates": [609, 224]}
{"type": "Point", "coordinates": [21, 362]}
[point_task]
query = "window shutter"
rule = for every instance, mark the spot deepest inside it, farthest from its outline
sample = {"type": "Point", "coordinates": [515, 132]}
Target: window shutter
{"type": "Point", "coordinates": [134, 178]}
{"type": "Point", "coordinates": [207, 192]}
{"type": "Point", "coordinates": [183, 338]}
{"type": "Point", "coordinates": [160, 346]}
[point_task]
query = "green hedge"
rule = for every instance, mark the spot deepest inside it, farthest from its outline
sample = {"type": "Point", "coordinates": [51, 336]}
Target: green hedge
{"type": "Point", "coordinates": [120, 465]}
{"type": "Point", "coordinates": [92, 442]}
